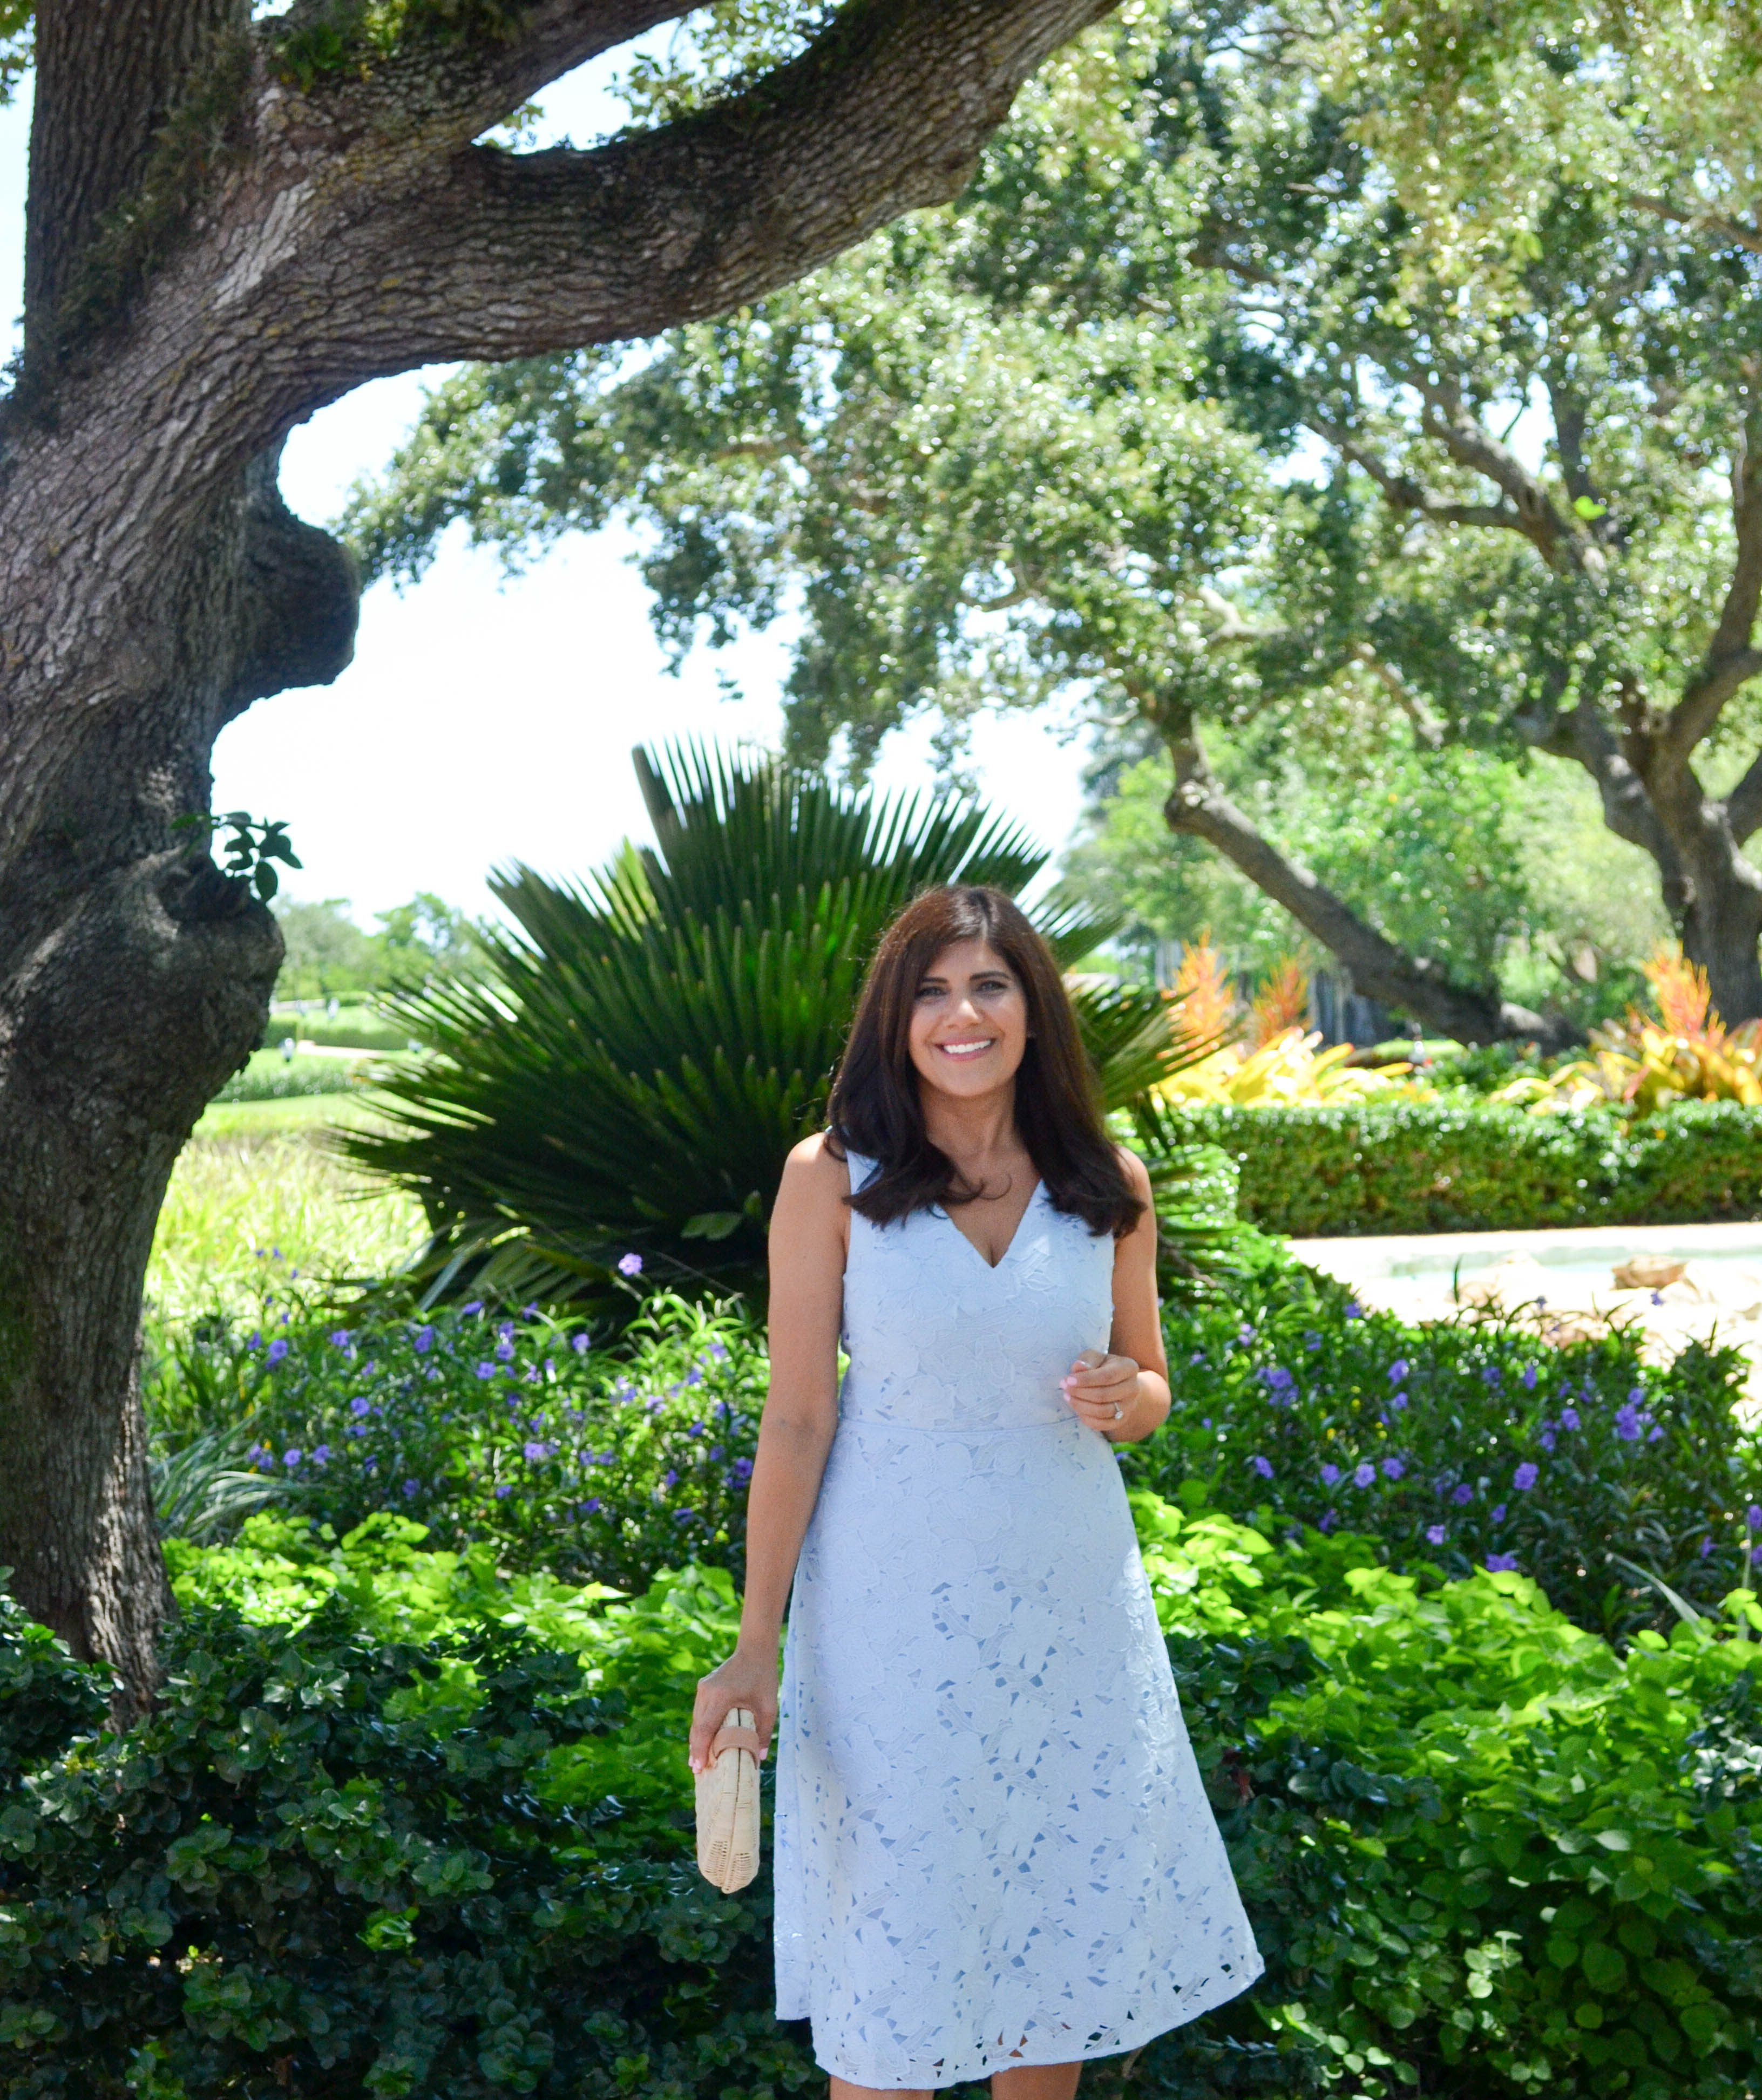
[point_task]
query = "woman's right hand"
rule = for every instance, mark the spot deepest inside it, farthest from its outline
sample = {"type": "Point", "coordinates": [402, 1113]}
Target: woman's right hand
{"type": "Point", "coordinates": [748, 1679]}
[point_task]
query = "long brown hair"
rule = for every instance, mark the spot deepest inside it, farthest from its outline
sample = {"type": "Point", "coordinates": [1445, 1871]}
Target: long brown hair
{"type": "Point", "coordinates": [875, 1110]}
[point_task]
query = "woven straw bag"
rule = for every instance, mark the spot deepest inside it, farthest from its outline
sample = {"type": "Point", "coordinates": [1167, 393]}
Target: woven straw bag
{"type": "Point", "coordinates": [727, 1806]}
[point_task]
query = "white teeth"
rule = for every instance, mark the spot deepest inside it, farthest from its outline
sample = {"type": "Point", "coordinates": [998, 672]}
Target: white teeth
{"type": "Point", "coordinates": [963, 1049]}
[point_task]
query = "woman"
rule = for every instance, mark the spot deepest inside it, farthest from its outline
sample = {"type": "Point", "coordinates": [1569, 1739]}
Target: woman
{"type": "Point", "coordinates": [993, 1854]}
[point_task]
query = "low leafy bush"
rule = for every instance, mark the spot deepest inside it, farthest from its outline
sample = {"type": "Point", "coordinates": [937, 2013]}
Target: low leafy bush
{"type": "Point", "coordinates": [1483, 1853]}
{"type": "Point", "coordinates": [1423, 1167]}
{"type": "Point", "coordinates": [1462, 1443]}
{"type": "Point", "coordinates": [270, 1077]}
{"type": "Point", "coordinates": [595, 1466]}
{"type": "Point", "coordinates": [401, 1827]}
{"type": "Point", "coordinates": [338, 1861]}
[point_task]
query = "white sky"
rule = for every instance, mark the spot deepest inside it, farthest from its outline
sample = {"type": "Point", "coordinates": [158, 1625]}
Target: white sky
{"type": "Point", "coordinates": [483, 720]}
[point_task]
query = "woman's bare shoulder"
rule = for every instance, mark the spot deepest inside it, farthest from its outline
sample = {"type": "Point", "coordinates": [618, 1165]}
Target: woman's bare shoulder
{"type": "Point", "coordinates": [1138, 1174]}
{"type": "Point", "coordinates": [813, 1175]}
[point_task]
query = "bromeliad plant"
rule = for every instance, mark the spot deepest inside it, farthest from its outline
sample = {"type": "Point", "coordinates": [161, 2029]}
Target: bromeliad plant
{"type": "Point", "coordinates": [658, 1037]}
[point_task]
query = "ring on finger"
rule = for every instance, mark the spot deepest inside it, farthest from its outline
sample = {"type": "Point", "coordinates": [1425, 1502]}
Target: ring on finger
{"type": "Point", "coordinates": [1119, 1412]}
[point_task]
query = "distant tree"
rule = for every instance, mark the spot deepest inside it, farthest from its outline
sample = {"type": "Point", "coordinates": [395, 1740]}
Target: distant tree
{"type": "Point", "coordinates": [1287, 372]}
{"type": "Point", "coordinates": [230, 222]}
{"type": "Point", "coordinates": [325, 955]}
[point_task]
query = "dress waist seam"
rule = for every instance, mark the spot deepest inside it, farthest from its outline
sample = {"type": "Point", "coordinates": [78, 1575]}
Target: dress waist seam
{"type": "Point", "coordinates": [963, 1432]}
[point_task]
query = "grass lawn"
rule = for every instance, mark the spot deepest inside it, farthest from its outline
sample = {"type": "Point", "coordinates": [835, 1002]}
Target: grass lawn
{"type": "Point", "coordinates": [257, 1196]}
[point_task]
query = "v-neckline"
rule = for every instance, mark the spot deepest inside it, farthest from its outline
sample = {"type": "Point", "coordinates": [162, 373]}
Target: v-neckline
{"type": "Point", "coordinates": [992, 1268]}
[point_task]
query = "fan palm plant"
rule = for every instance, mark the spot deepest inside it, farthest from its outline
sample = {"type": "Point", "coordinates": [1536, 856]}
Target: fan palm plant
{"type": "Point", "coordinates": [625, 1087]}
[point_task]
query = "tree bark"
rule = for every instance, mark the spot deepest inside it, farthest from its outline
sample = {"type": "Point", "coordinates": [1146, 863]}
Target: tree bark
{"type": "Point", "coordinates": [222, 239]}
{"type": "Point", "coordinates": [1379, 969]}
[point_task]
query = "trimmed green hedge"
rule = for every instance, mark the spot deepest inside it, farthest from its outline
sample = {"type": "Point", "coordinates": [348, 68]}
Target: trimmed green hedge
{"type": "Point", "coordinates": [1429, 1166]}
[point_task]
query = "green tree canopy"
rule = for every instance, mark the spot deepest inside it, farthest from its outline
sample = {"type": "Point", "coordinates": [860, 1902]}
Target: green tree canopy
{"type": "Point", "coordinates": [1334, 387]}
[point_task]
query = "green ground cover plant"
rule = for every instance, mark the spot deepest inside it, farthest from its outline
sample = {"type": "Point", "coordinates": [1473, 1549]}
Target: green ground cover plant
{"type": "Point", "coordinates": [414, 1827]}
{"type": "Point", "coordinates": [1429, 1166]}
{"type": "Point", "coordinates": [270, 1077]}
{"type": "Point", "coordinates": [1463, 1443]}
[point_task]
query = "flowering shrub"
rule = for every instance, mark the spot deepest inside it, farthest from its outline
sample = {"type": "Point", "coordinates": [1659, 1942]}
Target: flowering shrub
{"type": "Point", "coordinates": [516, 1430]}
{"type": "Point", "coordinates": [1463, 1444]}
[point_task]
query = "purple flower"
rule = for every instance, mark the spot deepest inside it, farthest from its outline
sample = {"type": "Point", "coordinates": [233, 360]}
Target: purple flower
{"type": "Point", "coordinates": [1461, 1492]}
{"type": "Point", "coordinates": [1330, 1474]}
{"type": "Point", "coordinates": [578, 1343]}
{"type": "Point", "coordinates": [1756, 1556]}
{"type": "Point", "coordinates": [485, 1370]}
{"type": "Point", "coordinates": [1526, 1476]}
{"type": "Point", "coordinates": [1501, 1564]}
{"type": "Point", "coordinates": [1529, 1378]}
{"type": "Point", "coordinates": [1355, 1310]}
{"type": "Point", "coordinates": [1706, 1547]}
{"type": "Point", "coordinates": [504, 1331]}
{"type": "Point", "coordinates": [504, 1489]}
{"type": "Point", "coordinates": [1636, 1394]}
{"type": "Point", "coordinates": [591, 1504]}
{"type": "Point", "coordinates": [1393, 1469]}
{"type": "Point", "coordinates": [504, 1351]}
{"type": "Point", "coordinates": [1569, 1417]}
{"type": "Point", "coordinates": [1263, 1467]}
{"type": "Point", "coordinates": [340, 1339]}
{"type": "Point", "coordinates": [1491, 1374]}
{"type": "Point", "coordinates": [292, 1456]}
{"type": "Point", "coordinates": [1397, 1401]}
{"type": "Point", "coordinates": [1330, 1518]}
{"type": "Point", "coordinates": [355, 1429]}
{"type": "Point", "coordinates": [717, 1453]}
{"type": "Point", "coordinates": [360, 1405]}
{"type": "Point", "coordinates": [1436, 1533]}
{"type": "Point", "coordinates": [278, 1349]}
{"type": "Point", "coordinates": [741, 1469]}
{"type": "Point", "coordinates": [1498, 1513]}
{"type": "Point", "coordinates": [530, 1312]}
{"type": "Point", "coordinates": [255, 1339]}
{"type": "Point", "coordinates": [629, 1264]}
{"type": "Point", "coordinates": [422, 1340]}
{"type": "Point", "coordinates": [533, 1452]}
{"type": "Point", "coordinates": [1752, 1516]}
{"type": "Point", "coordinates": [1311, 1339]}
{"type": "Point", "coordinates": [320, 1454]}
{"type": "Point", "coordinates": [476, 1305]}
{"type": "Point", "coordinates": [410, 1488]}
{"type": "Point", "coordinates": [1654, 1432]}
{"type": "Point", "coordinates": [1397, 1370]}
{"type": "Point", "coordinates": [1364, 1476]}
{"type": "Point", "coordinates": [1628, 1423]}
{"type": "Point", "coordinates": [1547, 1440]}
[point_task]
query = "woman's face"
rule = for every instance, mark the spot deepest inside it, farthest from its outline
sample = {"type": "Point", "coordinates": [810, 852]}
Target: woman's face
{"type": "Point", "coordinates": [969, 1021]}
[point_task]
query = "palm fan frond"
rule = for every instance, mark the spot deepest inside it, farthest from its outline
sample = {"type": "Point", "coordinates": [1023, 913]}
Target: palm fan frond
{"type": "Point", "coordinates": [656, 1038]}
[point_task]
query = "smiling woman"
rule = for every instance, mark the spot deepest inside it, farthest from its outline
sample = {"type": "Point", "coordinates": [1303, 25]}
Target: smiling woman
{"type": "Point", "coordinates": [994, 1855]}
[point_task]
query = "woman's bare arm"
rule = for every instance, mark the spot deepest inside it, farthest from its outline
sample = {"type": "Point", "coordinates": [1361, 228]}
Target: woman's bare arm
{"type": "Point", "coordinates": [1134, 1375]}
{"type": "Point", "coordinates": [810, 1231]}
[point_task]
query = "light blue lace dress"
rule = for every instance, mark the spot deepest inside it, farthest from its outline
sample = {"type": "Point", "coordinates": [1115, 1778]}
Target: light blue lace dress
{"type": "Point", "coordinates": [993, 1847]}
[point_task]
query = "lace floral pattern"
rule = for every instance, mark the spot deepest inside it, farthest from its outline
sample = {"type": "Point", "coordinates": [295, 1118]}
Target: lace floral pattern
{"type": "Point", "coordinates": [993, 1846]}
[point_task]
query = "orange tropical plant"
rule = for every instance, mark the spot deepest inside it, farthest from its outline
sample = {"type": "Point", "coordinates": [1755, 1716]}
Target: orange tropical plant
{"type": "Point", "coordinates": [1281, 1004]}
{"type": "Point", "coordinates": [1202, 997]}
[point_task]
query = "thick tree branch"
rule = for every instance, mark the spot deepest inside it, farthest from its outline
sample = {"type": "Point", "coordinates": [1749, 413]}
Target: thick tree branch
{"type": "Point", "coordinates": [1558, 539]}
{"type": "Point", "coordinates": [1743, 806]}
{"type": "Point", "coordinates": [1734, 230]}
{"type": "Point", "coordinates": [1403, 492]}
{"type": "Point", "coordinates": [1581, 733]}
{"type": "Point", "coordinates": [499, 255]}
{"type": "Point", "coordinates": [1730, 661]}
{"type": "Point", "coordinates": [1378, 968]}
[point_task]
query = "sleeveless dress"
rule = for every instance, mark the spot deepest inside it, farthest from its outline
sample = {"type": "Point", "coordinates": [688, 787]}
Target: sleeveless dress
{"type": "Point", "coordinates": [993, 1847]}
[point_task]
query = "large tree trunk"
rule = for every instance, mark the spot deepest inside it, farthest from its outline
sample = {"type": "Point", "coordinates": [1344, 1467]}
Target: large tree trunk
{"type": "Point", "coordinates": [134, 979]}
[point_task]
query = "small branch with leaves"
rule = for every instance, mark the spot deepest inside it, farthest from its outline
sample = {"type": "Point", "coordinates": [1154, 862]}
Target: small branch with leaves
{"type": "Point", "coordinates": [252, 847]}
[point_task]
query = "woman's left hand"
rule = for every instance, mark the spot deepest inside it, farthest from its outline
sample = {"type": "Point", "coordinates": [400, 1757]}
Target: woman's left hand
{"type": "Point", "coordinates": [1103, 1392]}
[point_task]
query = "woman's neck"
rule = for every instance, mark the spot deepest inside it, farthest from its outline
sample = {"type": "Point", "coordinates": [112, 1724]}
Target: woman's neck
{"type": "Point", "coordinates": [972, 1132]}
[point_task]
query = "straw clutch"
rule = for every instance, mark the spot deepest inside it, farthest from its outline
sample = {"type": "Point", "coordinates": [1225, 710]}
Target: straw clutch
{"type": "Point", "coordinates": [727, 1806]}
